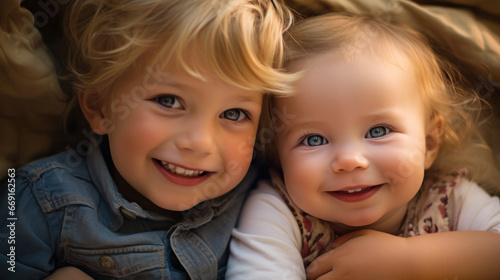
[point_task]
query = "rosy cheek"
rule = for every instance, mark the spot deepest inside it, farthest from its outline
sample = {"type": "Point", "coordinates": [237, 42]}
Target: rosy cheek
{"type": "Point", "coordinates": [296, 177]}
{"type": "Point", "coordinates": [240, 148]}
{"type": "Point", "coordinates": [403, 164]}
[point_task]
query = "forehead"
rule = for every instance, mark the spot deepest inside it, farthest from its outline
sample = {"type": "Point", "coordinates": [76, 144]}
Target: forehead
{"type": "Point", "coordinates": [154, 74]}
{"type": "Point", "coordinates": [331, 82]}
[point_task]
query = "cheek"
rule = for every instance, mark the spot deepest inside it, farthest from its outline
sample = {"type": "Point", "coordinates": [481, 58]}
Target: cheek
{"type": "Point", "coordinates": [403, 162]}
{"type": "Point", "coordinates": [127, 152]}
{"type": "Point", "coordinates": [137, 128]}
{"type": "Point", "coordinates": [304, 187]}
{"type": "Point", "coordinates": [237, 152]}
{"type": "Point", "coordinates": [126, 148]}
{"type": "Point", "coordinates": [241, 142]}
{"type": "Point", "coordinates": [132, 139]}
{"type": "Point", "coordinates": [303, 174]}
{"type": "Point", "coordinates": [295, 175]}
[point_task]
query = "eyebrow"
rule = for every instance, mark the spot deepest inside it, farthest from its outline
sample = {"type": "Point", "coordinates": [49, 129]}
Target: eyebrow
{"type": "Point", "coordinates": [250, 97]}
{"type": "Point", "coordinates": [302, 124]}
{"type": "Point", "coordinates": [384, 113]}
{"type": "Point", "coordinates": [168, 80]}
{"type": "Point", "coordinates": [293, 127]}
{"type": "Point", "coordinates": [171, 81]}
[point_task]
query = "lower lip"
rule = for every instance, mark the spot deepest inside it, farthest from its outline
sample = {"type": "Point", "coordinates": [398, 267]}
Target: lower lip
{"type": "Point", "coordinates": [356, 197]}
{"type": "Point", "coordinates": [181, 180]}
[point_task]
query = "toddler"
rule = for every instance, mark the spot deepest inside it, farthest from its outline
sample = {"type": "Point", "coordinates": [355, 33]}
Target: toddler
{"type": "Point", "coordinates": [173, 92]}
{"type": "Point", "coordinates": [378, 156]}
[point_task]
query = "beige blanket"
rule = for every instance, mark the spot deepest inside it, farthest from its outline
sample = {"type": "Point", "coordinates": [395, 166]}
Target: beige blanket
{"type": "Point", "coordinates": [31, 100]}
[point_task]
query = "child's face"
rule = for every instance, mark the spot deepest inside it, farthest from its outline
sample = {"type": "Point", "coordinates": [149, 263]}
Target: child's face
{"type": "Point", "coordinates": [178, 140]}
{"type": "Point", "coordinates": [355, 151]}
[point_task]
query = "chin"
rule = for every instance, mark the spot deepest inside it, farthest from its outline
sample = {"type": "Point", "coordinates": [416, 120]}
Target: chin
{"type": "Point", "coordinates": [364, 221]}
{"type": "Point", "coordinates": [174, 205]}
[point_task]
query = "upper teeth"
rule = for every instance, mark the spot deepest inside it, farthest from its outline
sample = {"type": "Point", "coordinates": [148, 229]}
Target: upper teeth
{"type": "Point", "coordinates": [181, 171]}
{"type": "Point", "coordinates": [355, 190]}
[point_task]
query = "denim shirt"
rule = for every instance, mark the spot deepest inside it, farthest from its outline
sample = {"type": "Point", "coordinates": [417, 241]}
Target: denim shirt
{"type": "Point", "coordinates": [69, 212]}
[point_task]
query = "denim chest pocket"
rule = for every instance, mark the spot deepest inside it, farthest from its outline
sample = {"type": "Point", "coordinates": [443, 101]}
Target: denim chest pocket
{"type": "Point", "coordinates": [119, 262]}
{"type": "Point", "coordinates": [88, 241]}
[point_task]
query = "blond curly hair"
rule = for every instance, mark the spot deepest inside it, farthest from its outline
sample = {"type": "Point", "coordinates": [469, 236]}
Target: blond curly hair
{"type": "Point", "coordinates": [241, 41]}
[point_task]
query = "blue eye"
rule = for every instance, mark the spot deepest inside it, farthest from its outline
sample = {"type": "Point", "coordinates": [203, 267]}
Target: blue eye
{"type": "Point", "coordinates": [377, 132]}
{"type": "Point", "coordinates": [234, 115]}
{"type": "Point", "coordinates": [314, 140]}
{"type": "Point", "coordinates": [168, 101]}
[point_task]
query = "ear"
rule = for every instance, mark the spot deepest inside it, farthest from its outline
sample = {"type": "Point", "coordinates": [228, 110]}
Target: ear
{"type": "Point", "coordinates": [92, 111]}
{"type": "Point", "coordinates": [433, 139]}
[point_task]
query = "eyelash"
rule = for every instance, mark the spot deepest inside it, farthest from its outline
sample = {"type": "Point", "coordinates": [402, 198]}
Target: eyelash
{"type": "Point", "coordinates": [156, 99]}
{"type": "Point", "coordinates": [388, 128]}
{"type": "Point", "coordinates": [305, 135]}
{"type": "Point", "coordinates": [177, 100]}
{"type": "Point", "coordinates": [244, 112]}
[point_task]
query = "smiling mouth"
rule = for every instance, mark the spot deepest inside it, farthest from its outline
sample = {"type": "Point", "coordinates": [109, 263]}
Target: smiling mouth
{"type": "Point", "coordinates": [357, 194]}
{"type": "Point", "coordinates": [177, 170]}
{"type": "Point", "coordinates": [355, 190]}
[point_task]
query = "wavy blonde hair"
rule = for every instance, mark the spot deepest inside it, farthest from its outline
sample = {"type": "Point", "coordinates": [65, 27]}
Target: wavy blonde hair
{"type": "Point", "coordinates": [241, 41]}
{"type": "Point", "coordinates": [443, 90]}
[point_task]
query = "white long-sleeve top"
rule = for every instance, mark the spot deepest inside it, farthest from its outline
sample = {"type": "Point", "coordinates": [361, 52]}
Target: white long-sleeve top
{"type": "Point", "coordinates": [267, 242]}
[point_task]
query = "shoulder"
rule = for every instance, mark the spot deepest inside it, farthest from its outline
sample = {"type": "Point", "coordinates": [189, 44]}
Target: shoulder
{"type": "Point", "coordinates": [469, 189]}
{"type": "Point", "coordinates": [266, 225]}
{"type": "Point", "coordinates": [265, 212]}
{"type": "Point", "coordinates": [57, 181]}
{"type": "Point", "coordinates": [266, 190]}
{"type": "Point", "coordinates": [62, 164]}
{"type": "Point", "coordinates": [476, 209]}
{"type": "Point", "coordinates": [265, 197]}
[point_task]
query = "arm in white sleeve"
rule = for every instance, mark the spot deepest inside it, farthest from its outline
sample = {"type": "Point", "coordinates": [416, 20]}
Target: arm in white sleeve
{"type": "Point", "coordinates": [267, 242]}
{"type": "Point", "coordinates": [477, 210]}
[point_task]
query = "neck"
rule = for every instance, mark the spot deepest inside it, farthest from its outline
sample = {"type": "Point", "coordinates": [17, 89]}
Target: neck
{"type": "Point", "coordinates": [132, 195]}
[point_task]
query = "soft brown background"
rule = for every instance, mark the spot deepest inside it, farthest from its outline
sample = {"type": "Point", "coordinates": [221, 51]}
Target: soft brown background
{"type": "Point", "coordinates": [32, 98]}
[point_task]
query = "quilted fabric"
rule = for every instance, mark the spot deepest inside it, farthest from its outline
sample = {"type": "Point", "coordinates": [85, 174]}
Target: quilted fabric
{"type": "Point", "coordinates": [32, 102]}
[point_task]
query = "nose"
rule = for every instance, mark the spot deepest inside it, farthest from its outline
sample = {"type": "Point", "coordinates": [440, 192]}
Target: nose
{"type": "Point", "coordinates": [349, 158]}
{"type": "Point", "coordinates": [197, 137]}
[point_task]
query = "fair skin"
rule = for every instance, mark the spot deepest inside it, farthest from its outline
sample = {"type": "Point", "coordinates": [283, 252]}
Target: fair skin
{"type": "Point", "coordinates": [176, 140]}
{"type": "Point", "coordinates": [355, 155]}
{"type": "Point", "coordinates": [375, 148]}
